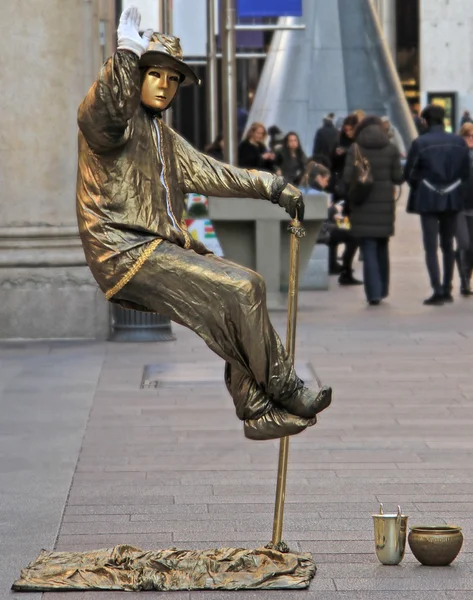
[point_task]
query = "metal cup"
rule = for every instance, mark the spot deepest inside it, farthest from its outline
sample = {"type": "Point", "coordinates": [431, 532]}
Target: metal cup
{"type": "Point", "coordinates": [390, 536]}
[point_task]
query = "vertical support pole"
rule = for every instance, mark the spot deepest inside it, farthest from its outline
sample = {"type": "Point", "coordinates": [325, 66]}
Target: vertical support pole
{"type": "Point", "coordinates": [229, 115]}
{"type": "Point", "coordinates": [166, 26]}
{"type": "Point", "coordinates": [297, 231]}
{"type": "Point", "coordinates": [223, 91]}
{"type": "Point", "coordinates": [212, 92]}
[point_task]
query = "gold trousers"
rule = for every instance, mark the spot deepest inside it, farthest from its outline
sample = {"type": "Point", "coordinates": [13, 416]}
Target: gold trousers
{"type": "Point", "coordinates": [225, 304]}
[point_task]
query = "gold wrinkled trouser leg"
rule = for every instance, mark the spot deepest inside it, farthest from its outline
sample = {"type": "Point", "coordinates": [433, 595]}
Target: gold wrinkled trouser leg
{"type": "Point", "coordinates": [225, 304]}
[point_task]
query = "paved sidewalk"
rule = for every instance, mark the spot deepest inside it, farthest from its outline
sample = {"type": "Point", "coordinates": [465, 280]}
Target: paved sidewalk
{"type": "Point", "coordinates": [170, 467]}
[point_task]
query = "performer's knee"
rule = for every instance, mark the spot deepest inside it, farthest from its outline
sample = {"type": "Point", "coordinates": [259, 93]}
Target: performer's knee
{"type": "Point", "coordinates": [253, 285]}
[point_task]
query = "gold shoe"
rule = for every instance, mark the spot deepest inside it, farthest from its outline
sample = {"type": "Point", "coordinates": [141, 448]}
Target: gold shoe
{"type": "Point", "coordinates": [305, 403]}
{"type": "Point", "coordinates": [276, 423]}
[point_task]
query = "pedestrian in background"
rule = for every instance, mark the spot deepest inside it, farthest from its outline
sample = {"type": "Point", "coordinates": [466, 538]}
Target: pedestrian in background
{"type": "Point", "coordinates": [347, 137]}
{"type": "Point", "coordinates": [394, 136]}
{"type": "Point", "coordinates": [252, 151]}
{"type": "Point", "coordinates": [290, 159]}
{"type": "Point", "coordinates": [418, 122]}
{"type": "Point", "coordinates": [437, 165]}
{"type": "Point", "coordinates": [333, 231]}
{"type": "Point", "coordinates": [342, 209]}
{"type": "Point", "coordinates": [466, 117]}
{"type": "Point", "coordinates": [216, 148]}
{"type": "Point", "coordinates": [326, 139]}
{"type": "Point", "coordinates": [372, 222]}
{"type": "Point", "coordinates": [360, 113]}
{"type": "Point", "coordinates": [464, 233]}
{"type": "Point", "coordinates": [275, 138]}
{"type": "Point", "coordinates": [242, 118]}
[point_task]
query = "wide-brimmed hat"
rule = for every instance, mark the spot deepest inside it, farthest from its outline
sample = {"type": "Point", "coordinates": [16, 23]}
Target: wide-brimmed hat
{"type": "Point", "coordinates": [165, 51]}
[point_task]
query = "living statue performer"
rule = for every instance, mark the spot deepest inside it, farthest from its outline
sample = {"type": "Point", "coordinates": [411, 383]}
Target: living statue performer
{"type": "Point", "coordinates": [134, 172]}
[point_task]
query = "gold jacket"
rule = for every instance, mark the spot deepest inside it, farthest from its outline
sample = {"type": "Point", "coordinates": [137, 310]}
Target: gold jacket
{"type": "Point", "coordinates": [133, 175]}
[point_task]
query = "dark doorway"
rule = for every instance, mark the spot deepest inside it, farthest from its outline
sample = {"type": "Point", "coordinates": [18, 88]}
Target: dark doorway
{"type": "Point", "coordinates": [408, 56]}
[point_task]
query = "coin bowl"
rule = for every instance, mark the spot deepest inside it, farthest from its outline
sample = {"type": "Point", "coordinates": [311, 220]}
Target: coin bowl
{"type": "Point", "coordinates": [435, 545]}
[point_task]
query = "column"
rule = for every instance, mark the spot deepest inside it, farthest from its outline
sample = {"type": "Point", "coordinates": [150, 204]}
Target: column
{"type": "Point", "coordinates": [53, 55]}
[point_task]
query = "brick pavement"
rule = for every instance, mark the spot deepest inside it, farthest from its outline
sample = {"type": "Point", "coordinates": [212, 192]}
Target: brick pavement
{"type": "Point", "coordinates": [170, 467]}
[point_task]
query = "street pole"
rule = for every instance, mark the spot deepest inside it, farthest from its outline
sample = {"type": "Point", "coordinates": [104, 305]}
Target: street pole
{"type": "Point", "coordinates": [212, 92]}
{"type": "Point", "coordinates": [165, 16]}
{"type": "Point", "coordinates": [166, 26]}
{"type": "Point", "coordinates": [229, 88]}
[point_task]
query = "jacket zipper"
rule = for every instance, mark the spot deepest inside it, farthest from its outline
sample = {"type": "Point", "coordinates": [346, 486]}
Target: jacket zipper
{"type": "Point", "coordinates": [163, 178]}
{"type": "Point", "coordinates": [187, 240]}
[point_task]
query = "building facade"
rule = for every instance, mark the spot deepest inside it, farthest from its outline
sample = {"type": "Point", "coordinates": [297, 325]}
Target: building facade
{"type": "Point", "coordinates": [432, 45]}
{"type": "Point", "coordinates": [107, 27]}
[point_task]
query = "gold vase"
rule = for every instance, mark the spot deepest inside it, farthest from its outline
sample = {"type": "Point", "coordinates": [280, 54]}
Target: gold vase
{"type": "Point", "coordinates": [390, 536]}
{"type": "Point", "coordinates": [435, 545]}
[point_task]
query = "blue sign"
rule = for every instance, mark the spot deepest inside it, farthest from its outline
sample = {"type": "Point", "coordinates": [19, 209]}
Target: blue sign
{"type": "Point", "coordinates": [269, 8]}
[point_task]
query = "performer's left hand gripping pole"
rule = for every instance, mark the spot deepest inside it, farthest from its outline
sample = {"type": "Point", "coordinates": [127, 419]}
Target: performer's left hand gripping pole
{"type": "Point", "coordinates": [297, 231]}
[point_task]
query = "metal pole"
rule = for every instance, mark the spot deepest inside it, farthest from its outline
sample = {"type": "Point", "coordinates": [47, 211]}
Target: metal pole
{"type": "Point", "coordinates": [165, 16]}
{"type": "Point", "coordinates": [223, 87]}
{"type": "Point", "coordinates": [212, 92]}
{"type": "Point", "coordinates": [297, 231]}
{"type": "Point", "coordinates": [169, 17]}
{"type": "Point", "coordinates": [229, 109]}
{"type": "Point", "coordinates": [268, 27]}
{"type": "Point", "coordinates": [243, 56]}
{"type": "Point", "coordinates": [165, 25]}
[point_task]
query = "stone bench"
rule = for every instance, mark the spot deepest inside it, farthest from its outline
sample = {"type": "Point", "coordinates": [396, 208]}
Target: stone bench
{"type": "Point", "coordinates": [254, 233]}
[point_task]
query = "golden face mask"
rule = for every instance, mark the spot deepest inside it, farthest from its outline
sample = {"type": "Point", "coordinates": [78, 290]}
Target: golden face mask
{"type": "Point", "coordinates": [159, 87]}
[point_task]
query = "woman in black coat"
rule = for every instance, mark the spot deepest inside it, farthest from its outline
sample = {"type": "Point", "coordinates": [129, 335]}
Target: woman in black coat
{"type": "Point", "coordinates": [372, 221]}
{"type": "Point", "coordinates": [252, 151]}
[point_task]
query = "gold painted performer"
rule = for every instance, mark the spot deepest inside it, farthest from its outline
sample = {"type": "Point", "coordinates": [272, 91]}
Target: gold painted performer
{"type": "Point", "coordinates": [133, 175]}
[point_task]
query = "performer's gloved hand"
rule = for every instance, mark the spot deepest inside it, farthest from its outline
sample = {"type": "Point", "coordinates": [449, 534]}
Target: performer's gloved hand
{"type": "Point", "coordinates": [128, 32]}
{"type": "Point", "coordinates": [292, 202]}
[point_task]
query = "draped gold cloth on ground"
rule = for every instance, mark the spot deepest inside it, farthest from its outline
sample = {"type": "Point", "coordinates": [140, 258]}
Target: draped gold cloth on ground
{"type": "Point", "coordinates": [130, 569]}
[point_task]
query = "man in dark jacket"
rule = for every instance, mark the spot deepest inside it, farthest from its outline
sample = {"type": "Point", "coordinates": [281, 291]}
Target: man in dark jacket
{"type": "Point", "coordinates": [436, 166]}
{"type": "Point", "coordinates": [326, 139]}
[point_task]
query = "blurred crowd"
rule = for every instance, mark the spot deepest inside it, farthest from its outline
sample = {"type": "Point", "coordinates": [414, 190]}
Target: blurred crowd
{"type": "Point", "coordinates": [437, 169]}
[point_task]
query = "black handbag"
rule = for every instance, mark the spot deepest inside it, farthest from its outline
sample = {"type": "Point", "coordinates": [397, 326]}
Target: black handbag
{"type": "Point", "coordinates": [362, 180]}
{"type": "Point", "coordinates": [325, 232]}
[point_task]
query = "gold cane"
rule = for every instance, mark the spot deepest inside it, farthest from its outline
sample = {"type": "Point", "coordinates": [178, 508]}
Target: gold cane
{"type": "Point", "coordinates": [297, 232]}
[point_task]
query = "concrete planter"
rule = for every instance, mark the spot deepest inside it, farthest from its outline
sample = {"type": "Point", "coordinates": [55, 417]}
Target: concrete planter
{"type": "Point", "coordinates": [254, 233]}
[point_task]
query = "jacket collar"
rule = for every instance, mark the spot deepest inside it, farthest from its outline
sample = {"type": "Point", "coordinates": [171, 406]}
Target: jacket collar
{"type": "Point", "coordinates": [436, 128]}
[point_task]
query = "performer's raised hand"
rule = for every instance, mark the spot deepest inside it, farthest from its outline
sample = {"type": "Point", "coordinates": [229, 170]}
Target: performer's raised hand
{"type": "Point", "coordinates": [292, 202]}
{"type": "Point", "coordinates": [128, 32]}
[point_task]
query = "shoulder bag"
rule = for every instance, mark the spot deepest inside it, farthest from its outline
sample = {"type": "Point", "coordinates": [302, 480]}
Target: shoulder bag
{"type": "Point", "coordinates": [362, 180]}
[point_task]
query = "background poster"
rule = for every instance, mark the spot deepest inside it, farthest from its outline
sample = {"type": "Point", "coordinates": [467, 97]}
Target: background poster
{"type": "Point", "coordinates": [201, 228]}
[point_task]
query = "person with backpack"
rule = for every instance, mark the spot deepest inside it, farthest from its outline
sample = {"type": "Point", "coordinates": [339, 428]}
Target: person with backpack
{"type": "Point", "coordinates": [372, 213]}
